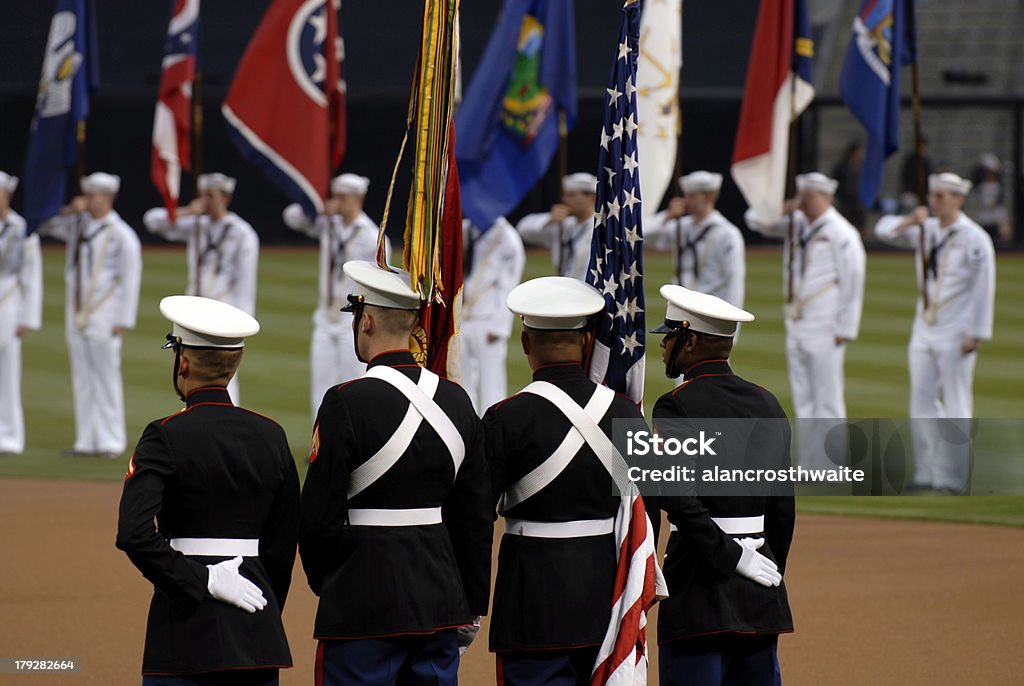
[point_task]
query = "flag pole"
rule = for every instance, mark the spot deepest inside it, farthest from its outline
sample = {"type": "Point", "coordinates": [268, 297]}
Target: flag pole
{"type": "Point", "coordinates": [332, 137]}
{"type": "Point", "coordinates": [919, 159]}
{"type": "Point", "coordinates": [563, 171]}
{"type": "Point", "coordinates": [790, 187]}
{"type": "Point", "coordinates": [80, 133]}
{"type": "Point", "coordinates": [677, 171]}
{"type": "Point", "coordinates": [197, 169]}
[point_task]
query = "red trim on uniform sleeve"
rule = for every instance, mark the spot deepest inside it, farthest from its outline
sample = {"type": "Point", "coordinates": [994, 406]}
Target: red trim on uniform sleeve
{"type": "Point", "coordinates": [131, 467]}
{"type": "Point", "coordinates": [318, 667]}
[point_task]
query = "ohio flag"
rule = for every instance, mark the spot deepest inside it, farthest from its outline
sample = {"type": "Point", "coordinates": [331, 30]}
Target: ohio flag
{"type": "Point", "coordinates": [172, 122]}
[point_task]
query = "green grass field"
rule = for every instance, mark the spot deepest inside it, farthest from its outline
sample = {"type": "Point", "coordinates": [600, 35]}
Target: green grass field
{"type": "Point", "coordinates": [275, 374]}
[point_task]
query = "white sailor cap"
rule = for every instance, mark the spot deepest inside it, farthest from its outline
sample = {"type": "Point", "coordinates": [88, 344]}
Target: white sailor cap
{"type": "Point", "coordinates": [701, 312]}
{"type": "Point", "coordinates": [948, 181]}
{"type": "Point", "coordinates": [701, 182]}
{"type": "Point", "coordinates": [580, 181]}
{"type": "Point", "coordinates": [217, 182]}
{"type": "Point", "coordinates": [816, 181]}
{"type": "Point", "coordinates": [555, 303]}
{"type": "Point", "coordinates": [7, 182]}
{"type": "Point", "coordinates": [350, 184]}
{"type": "Point", "coordinates": [101, 182]}
{"type": "Point", "coordinates": [379, 287]}
{"type": "Point", "coordinates": [206, 323]}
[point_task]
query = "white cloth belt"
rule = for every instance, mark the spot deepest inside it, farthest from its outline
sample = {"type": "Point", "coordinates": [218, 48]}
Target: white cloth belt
{"type": "Point", "coordinates": [735, 526]}
{"type": "Point", "coordinates": [413, 517]}
{"type": "Point", "coordinates": [217, 547]}
{"type": "Point", "coordinates": [585, 429]}
{"type": "Point", "coordinates": [421, 407]}
{"type": "Point", "coordinates": [574, 529]}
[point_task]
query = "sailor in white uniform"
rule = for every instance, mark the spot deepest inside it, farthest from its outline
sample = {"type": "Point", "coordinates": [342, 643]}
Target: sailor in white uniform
{"type": "Point", "coordinates": [824, 264]}
{"type": "Point", "coordinates": [707, 248]}
{"type": "Point", "coordinates": [953, 316]}
{"type": "Point", "coordinates": [21, 309]}
{"type": "Point", "coordinates": [568, 228]}
{"type": "Point", "coordinates": [102, 277]}
{"type": "Point", "coordinates": [223, 249]}
{"type": "Point", "coordinates": [345, 233]}
{"type": "Point", "coordinates": [492, 265]}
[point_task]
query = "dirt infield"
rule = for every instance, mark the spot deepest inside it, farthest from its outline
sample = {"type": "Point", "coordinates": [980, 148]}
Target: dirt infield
{"type": "Point", "coordinates": [875, 602]}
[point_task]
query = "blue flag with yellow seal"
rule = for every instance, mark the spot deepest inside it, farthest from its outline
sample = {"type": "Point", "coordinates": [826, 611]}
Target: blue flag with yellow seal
{"type": "Point", "coordinates": [70, 74]}
{"type": "Point", "coordinates": [507, 126]}
{"type": "Point", "coordinates": [883, 40]}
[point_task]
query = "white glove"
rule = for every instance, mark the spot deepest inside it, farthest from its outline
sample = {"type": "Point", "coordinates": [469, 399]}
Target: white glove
{"type": "Point", "coordinates": [466, 634]}
{"type": "Point", "coordinates": [755, 566]}
{"type": "Point", "coordinates": [228, 586]}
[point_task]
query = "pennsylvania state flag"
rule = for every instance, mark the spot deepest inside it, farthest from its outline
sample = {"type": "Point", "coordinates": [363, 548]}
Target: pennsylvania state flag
{"type": "Point", "coordinates": [69, 75]}
{"type": "Point", "coordinates": [507, 125]}
{"type": "Point", "coordinates": [883, 41]}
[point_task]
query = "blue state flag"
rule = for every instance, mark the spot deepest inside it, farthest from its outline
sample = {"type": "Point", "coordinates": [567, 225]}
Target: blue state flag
{"type": "Point", "coordinates": [883, 40]}
{"type": "Point", "coordinates": [507, 126]}
{"type": "Point", "coordinates": [69, 75]}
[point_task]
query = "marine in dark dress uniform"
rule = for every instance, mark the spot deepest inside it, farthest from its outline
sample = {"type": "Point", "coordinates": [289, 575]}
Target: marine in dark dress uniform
{"type": "Point", "coordinates": [727, 603]}
{"type": "Point", "coordinates": [557, 562]}
{"type": "Point", "coordinates": [222, 485]}
{"type": "Point", "coordinates": [397, 516]}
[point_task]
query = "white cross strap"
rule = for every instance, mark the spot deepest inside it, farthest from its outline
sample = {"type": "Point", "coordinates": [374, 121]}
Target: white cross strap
{"type": "Point", "coordinates": [421, 407]}
{"type": "Point", "coordinates": [585, 430]}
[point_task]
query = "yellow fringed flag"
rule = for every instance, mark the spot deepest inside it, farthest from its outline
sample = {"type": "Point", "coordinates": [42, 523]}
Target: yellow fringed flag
{"type": "Point", "coordinates": [433, 228]}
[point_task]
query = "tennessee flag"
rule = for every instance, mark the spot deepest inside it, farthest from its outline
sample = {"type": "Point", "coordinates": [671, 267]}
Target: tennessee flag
{"type": "Point", "coordinates": [285, 108]}
{"type": "Point", "coordinates": [172, 122]}
{"type": "Point", "coordinates": [778, 89]}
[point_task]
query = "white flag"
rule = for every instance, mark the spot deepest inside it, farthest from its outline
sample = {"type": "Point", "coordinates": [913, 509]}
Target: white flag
{"type": "Point", "coordinates": [657, 81]}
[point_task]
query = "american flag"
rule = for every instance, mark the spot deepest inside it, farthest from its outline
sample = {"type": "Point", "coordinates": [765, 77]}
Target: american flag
{"type": "Point", "coordinates": [172, 123]}
{"type": "Point", "coordinates": [616, 254]}
{"type": "Point", "coordinates": [616, 268]}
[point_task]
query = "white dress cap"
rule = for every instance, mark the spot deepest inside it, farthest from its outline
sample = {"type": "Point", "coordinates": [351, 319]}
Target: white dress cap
{"type": "Point", "coordinates": [101, 182]}
{"type": "Point", "coordinates": [217, 182]}
{"type": "Point", "coordinates": [555, 303]}
{"type": "Point", "coordinates": [580, 181]}
{"type": "Point", "coordinates": [350, 184]}
{"type": "Point", "coordinates": [701, 182]}
{"type": "Point", "coordinates": [380, 287]}
{"type": "Point", "coordinates": [207, 323]}
{"type": "Point", "coordinates": [948, 181]}
{"type": "Point", "coordinates": [7, 182]}
{"type": "Point", "coordinates": [816, 181]}
{"type": "Point", "coordinates": [700, 312]}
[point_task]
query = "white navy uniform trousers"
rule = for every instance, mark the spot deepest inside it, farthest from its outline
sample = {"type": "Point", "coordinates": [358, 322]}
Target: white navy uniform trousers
{"type": "Point", "coordinates": [102, 276]}
{"type": "Point", "coordinates": [828, 264]}
{"type": "Point", "coordinates": [228, 260]}
{"type": "Point", "coordinates": [493, 262]}
{"type": "Point", "coordinates": [332, 355]}
{"type": "Point", "coordinates": [569, 241]}
{"type": "Point", "coordinates": [21, 305]}
{"type": "Point", "coordinates": [961, 293]}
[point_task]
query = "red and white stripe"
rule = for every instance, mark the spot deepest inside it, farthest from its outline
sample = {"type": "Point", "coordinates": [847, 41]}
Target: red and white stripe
{"type": "Point", "coordinates": [172, 122]}
{"type": "Point", "coordinates": [771, 100]}
{"type": "Point", "coordinates": [639, 583]}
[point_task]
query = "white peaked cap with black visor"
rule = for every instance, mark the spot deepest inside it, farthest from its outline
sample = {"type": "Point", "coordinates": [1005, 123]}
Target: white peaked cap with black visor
{"type": "Point", "coordinates": [379, 287]}
{"type": "Point", "coordinates": [555, 303]}
{"type": "Point", "coordinates": [700, 312]}
{"type": "Point", "coordinates": [206, 323]}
